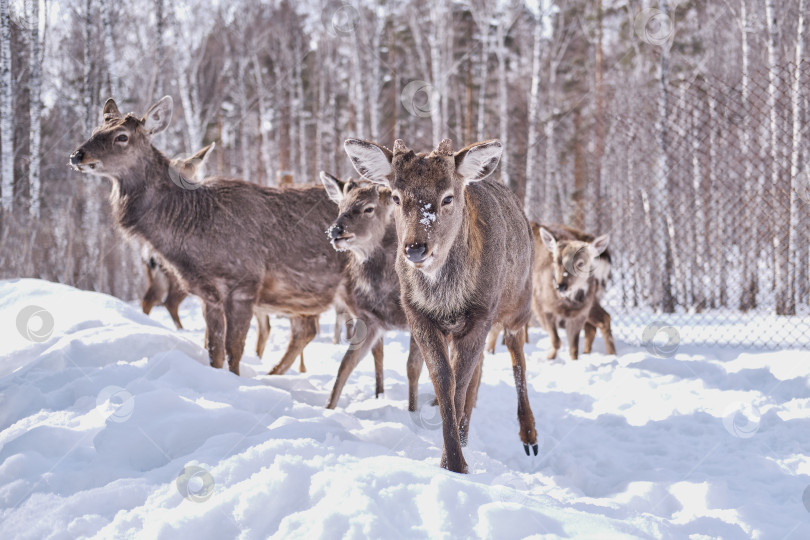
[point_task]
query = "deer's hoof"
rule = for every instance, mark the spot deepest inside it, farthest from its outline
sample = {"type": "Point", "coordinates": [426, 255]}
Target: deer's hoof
{"type": "Point", "coordinates": [535, 449]}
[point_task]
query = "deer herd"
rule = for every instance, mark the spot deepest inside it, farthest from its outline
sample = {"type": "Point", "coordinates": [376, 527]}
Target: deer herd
{"type": "Point", "coordinates": [426, 242]}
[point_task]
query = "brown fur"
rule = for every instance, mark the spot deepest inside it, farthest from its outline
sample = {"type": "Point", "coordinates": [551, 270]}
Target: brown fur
{"type": "Point", "coordinates": [365, 227]}
{"type": "Point", "coordinates": [464, 260]}
{"type": "Point", "coordinates": [579, 310]}
{"type": "Point", "coordinates": [236, 245]}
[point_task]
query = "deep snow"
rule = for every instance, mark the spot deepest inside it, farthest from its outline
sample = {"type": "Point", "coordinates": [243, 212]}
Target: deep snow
{"type": "Point", "coordinates": [113, 425]}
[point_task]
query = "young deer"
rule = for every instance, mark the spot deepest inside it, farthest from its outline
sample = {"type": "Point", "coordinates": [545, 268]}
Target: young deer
{"type": "Point", "coordinates": [569, 279]}
{"type": "Point", "coordinates": [236, 245]}
{"type": "Point", "coordinates": [163, 288]}
{"type": "Point", "coordinates": [464, 260]}
{"type": "Point", "coordinates": [365, 227]}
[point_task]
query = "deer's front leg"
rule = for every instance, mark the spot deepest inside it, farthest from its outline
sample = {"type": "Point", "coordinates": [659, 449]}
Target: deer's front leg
{"type": "Point", "coordinates": [414, 370]}
{"type": "Point", "coordinates": [466, 353]}
{"type": "Point", "coordinates": [350, 360]}
{"type": "Point", "coordinates": [433, 345]}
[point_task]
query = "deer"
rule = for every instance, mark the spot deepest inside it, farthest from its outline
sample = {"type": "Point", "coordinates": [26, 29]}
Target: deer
{"type": "Point", "coordinates": [570, 276]}
{"type": "Point", "coordinates": [464, 259]}
{"type": "Point", "coordinates": [365, 228]}
{"type": "Point", "coordinates": [239, 246]}
{"type": "Point", "coordinates": [163, 288]}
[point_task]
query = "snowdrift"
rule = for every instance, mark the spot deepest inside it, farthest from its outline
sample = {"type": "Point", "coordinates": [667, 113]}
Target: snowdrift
{"type": "Point", "coordinates": [113, 425]}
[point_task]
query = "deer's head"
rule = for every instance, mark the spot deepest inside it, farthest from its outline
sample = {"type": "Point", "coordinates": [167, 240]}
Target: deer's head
{"type": "Point", "coordinates": [428, 192]}
{"type": "Point", "coordinates": [573, 262]}
{"type": "Point", "coordinates": [120, 142]}
{"type": "Point", "coordinates": [364, 214]}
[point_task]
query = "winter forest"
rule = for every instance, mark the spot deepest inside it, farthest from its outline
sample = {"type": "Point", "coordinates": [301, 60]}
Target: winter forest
{"type": "Point", "coordinates": [679, 127]}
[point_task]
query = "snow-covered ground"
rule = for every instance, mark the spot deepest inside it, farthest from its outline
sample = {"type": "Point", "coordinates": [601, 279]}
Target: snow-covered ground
{"type": "Point", "coordinates": [114, 426]}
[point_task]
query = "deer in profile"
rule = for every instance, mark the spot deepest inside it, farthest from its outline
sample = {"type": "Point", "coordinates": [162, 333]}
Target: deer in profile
{"type": "Point", "coordinates": [163, 288]}
{"type": "Point", "coordinates": [464, 259]}
{"type": "Point", "coordinates": [365, 227]}
{"type": "Point", "coordinates": [570, 276]}
{"type": "Point", "coordinates": [239, 246]}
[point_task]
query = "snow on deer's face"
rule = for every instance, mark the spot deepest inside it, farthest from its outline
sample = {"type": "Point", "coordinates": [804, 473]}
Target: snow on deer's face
{"type": "Point", "coordinates": [120, 142]}
{"type": "Point", "coordinates": [428, 191]}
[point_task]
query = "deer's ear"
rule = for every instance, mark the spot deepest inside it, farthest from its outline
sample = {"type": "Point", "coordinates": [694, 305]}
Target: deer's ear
{"type": "Point", "coordinates": [371, 160]}
{"type": "Point", "coordinates": [158, 116]}
{"type": "Point", "coordinates": [111, 111]}
{"type": "Point", "coordinates": [548, 239]}
{"type": "Point", "coordinates": [203, 153]}
{"type": "Point", "coordinates": [334, 187]}
{"type": "Point", "coordinates": [478, 160]}
{"type": "Point", "coordinates": [599, 245]}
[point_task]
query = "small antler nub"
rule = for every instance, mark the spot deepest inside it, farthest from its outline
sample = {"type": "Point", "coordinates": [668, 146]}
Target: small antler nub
{"type": "Point", "coordinates": [399, 147]}
{"type": "Point", "coordinates": [445, 148]}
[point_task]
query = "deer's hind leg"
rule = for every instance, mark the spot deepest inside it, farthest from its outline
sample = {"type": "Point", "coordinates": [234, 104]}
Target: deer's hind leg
{"type": "Point", "coordinates": [263, 326]}
{"type": "Point", "coordinates": [302, 331]}
{"type": "Point", "coordinates": [601, 319]}
{"type": "Point", "coordinates": [528, 432]}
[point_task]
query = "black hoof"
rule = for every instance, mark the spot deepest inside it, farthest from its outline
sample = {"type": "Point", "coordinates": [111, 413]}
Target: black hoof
{"type": "Point", "coordinates": [526, 448]}
{"type": "Point", "coordinates": [535, 448]}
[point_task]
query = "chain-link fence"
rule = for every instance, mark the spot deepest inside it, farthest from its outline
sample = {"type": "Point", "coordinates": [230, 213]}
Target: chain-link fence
{"type": "Point", "coordinates": [706, 191]}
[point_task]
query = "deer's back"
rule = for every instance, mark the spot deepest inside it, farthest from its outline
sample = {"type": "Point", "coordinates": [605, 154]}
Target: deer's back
{"type": "Point", "coordinates": [234, 232]}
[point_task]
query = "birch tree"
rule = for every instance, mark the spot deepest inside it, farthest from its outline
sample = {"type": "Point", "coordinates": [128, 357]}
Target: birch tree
{"type": "Point", "coordinates": [749, 236]}
{"type": "Point", "coordinates": [781, 251]}
{"type": "Point", "coordinates": [6, 111]}
{"type": "Point", "coordinates": [533, 186]}
{"type": "Point", "coordinates": [109, 48]}
{"type": "Point", "coordinates": [35, 111]}
{"type": "Point", "coordinates": [793, 248]}
{"type": "Point", "coordinates": [662, 180]}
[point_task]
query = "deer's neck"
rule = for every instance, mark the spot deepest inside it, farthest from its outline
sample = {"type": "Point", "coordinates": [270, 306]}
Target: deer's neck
{"type": "Point", "coordinates": [136, 196]}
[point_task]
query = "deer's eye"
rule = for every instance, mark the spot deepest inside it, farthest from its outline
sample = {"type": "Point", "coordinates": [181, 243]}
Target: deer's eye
{"type": "Point", "coordinates": [447, 200]}
{"type": "Point", "coordinates": [369, 209]}
{"type": "Point", "coordinates": [396, 200]}
{"type": "Point", "coordinates": [121, 138]}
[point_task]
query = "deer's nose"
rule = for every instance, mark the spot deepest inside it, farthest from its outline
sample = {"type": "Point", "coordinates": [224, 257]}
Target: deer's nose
{"type": "Point", "coordinates": [76, 157]}
{"type": "Point", "coordinates": [335, 231]}
{"type": "Point", "coordinates": [416, 252]}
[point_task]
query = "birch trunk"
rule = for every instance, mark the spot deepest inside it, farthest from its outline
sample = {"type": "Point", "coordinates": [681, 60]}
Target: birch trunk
{"type": "Point", "coordinates": [375, 82]}
{"type": "Point", "coordinates": [265, 159]}
{"type": "Point", "coordinates": [748, 297]}
{"type": "Point", "coordinates": [191, 114]}
{"type": "Point", "coordinates": [6, 112]}
{"type": "Point", "coordinates": [533, 201]}
{"type": "Point", "coordinates": [794, 224]}
{"type": "Point", "coordinates": [781, 250]}
{"type": "Point", "coordinates": [482, 85]}
{"type": "Point", "coordinates": [245, 137]}
{"type": "Point", "coordinates": [662, 181]}
{"type": "Point", "coordinates": [35, 112]}
{"type": "Point", "coordinates": [599, 143]}
{"type": "Point", "coordinates": [109, 48]}
{"type": "Point", "coordinates": [503, 99]}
